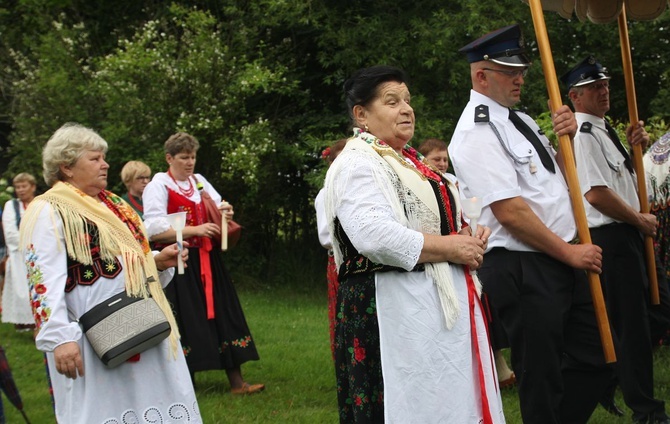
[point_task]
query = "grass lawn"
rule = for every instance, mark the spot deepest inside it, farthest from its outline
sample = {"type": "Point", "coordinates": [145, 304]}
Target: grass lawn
{"type": "Point", "coordinates": [291, 331]}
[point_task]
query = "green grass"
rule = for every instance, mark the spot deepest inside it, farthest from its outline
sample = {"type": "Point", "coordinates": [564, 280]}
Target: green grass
{"type": "Point", "coordinates": [291, 331]}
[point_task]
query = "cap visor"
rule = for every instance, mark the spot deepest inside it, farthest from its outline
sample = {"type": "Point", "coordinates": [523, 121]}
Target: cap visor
{"type": "Point", "coordinates": [590, 80]}
{"type": "Point", "coordinates": [516, 60]}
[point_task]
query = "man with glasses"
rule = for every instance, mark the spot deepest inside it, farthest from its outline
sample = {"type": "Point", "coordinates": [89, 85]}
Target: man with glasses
{"type": "Point", "coordinates": [531, 272]}
{"type": "Point", "coordinates": [608, 183]}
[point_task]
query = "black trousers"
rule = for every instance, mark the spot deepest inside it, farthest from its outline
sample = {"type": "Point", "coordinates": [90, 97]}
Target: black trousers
{"type": "Point", "coordinates": [626, 291]}
{"type": "Point", "coordinates": [546, 310]}
{"type": "Point", "coordinates": [659, 315]}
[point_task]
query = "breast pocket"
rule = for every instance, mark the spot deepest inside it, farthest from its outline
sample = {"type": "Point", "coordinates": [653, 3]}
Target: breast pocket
{"type": "Point", "coordinates": [523, 156]}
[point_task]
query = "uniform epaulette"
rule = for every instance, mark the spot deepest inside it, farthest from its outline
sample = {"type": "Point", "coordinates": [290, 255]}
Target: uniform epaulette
{"type": "Point", "coordinates": [586, 127]}
{"type": "Point", "coordinates": [482, 113]}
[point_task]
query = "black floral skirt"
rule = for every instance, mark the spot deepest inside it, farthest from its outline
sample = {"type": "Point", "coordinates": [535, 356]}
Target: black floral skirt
{"type": "Point", "coordinates": [223, 342]}
{"type": "Point", "coordinates": [360, 388]}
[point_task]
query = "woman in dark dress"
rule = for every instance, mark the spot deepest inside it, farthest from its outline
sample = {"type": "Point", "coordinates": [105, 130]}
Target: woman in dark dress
{"type": "Point", "coordinates": [214, 331]}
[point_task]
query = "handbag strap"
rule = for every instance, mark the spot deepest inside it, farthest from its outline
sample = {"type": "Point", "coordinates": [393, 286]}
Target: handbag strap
{"type": "Point", "coordinates": [75, 318]}
{"type": "Point", "coordinates": [201, 188]}
{"type": "Point", "coordinates": [18, 212]}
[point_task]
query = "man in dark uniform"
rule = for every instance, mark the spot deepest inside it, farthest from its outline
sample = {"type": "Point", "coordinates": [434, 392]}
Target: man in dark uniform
{"type": "Point", "coordinates": [531, 270]}
{"type": "Point", "coordinates": [608, 183]}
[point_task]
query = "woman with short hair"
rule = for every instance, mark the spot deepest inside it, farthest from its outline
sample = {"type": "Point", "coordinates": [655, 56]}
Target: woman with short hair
{"type": "Point", "coordinates": [135, 176]}
{"type": "Point", "coordinates": [410, 337]}
{"type": "Point", "coordinates": [15, 295]}
{"type": "Point", "coordinates": [83, 245]}
{"type": "Point", "coordinates": [214, 329]}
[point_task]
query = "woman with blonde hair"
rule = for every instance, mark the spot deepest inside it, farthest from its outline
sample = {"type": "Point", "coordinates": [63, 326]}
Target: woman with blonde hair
{"type": "Point", "coordinates": [135, 176]}
{"type": "Point", "coordinates": [15, 295]}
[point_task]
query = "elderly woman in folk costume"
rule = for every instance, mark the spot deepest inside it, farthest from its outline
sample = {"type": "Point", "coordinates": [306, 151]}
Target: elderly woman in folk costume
{"type": "Point", "coordinates": [84, 244]}
{"type": "Point", "coordinates": [411, 341]}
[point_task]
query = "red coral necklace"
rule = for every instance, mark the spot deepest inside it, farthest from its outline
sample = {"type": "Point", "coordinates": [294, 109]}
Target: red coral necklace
{"type": "Point", "coordinates": [188, 192]}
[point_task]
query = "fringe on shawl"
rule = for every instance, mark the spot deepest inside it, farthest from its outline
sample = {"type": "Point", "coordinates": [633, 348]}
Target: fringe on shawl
{"type": "Point", "coordinates": [440, 273]}
{"type": "Point", "coordinates": [141, 274]}
{"type": "Point", "coordinates": [334, 191]}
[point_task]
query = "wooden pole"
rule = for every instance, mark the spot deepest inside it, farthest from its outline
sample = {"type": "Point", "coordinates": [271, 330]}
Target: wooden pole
{"type": "Point", "coordinates": [565, 146]}
{"type": "Point", "coordinates": [637, 151]}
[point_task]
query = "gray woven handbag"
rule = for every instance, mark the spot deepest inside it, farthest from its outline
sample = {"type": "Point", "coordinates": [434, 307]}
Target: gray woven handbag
{"type": "Point", "coordinates": [123, 326]}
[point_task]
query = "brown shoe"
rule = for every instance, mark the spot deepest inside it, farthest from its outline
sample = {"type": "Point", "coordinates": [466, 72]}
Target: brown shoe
{"type": "Point", "coordinates": [248, 389]}
{"type": "Point", "coordinates": [511, 381]}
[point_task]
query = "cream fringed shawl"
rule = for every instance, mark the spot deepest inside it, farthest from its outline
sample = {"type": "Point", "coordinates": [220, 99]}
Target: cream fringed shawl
{"type": "Point", "coordinates": [76, 208]}
{"type": "Point", "coordinates": [420, 211]}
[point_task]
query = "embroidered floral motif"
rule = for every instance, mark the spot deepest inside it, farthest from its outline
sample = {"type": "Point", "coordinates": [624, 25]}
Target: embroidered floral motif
{"type": "Point", "coordinates": [78, 273]}
{"type": "Point", "coordinates": [126, 214]}
{"type": "Point", "coordinates": [243, 342]}
{"type": "Point", "coordinates": [372, 308]}
{"type": "Point", "coordinates": [358, 351]}
{"type": "Point", "coordinates": [358, 365]}
{"type": "Point", "coordinates": [360, 398]}
{"type": "Point", "coordinates": [41, 308]}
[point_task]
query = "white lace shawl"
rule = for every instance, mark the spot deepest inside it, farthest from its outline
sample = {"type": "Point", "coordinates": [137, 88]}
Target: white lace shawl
{"type": "Point", "coordinates": [412, 203]}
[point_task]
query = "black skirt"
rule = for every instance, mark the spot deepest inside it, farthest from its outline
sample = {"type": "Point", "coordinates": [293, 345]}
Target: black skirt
{"type": "Point", "coordinates": [223, 342]}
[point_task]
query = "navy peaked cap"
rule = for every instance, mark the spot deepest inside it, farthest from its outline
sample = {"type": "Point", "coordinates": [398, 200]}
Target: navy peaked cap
{"type": "Point", "coordinates": [585, 72]}
{"type": "Point", "coordinates": [504, 46]}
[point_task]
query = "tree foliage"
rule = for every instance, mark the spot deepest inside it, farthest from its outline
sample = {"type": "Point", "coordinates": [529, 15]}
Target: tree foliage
{"type": "Point", "coordinates": [259, 83]}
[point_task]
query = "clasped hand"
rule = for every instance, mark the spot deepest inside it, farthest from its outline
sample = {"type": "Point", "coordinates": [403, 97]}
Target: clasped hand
{"type": "Point", "coordinates": [469, 249]}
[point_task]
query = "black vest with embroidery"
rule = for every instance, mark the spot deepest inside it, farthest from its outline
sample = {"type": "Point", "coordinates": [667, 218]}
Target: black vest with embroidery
{"type": "Point", "coordinates": [86, 275]}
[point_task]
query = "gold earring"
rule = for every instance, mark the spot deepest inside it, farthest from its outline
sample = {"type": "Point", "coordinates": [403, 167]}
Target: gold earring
{"type": "Point", "coordinates": [366, 128]}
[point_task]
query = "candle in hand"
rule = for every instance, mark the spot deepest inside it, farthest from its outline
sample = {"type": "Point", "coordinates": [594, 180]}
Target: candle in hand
{"type": "Point", "coordinates": [177, 221]}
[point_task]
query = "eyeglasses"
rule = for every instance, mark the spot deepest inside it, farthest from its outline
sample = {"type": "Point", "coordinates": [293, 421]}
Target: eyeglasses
{"type": "Point", "coordinates": [143, 178]}
{"type": "Point", "coordinates": [512, 74]}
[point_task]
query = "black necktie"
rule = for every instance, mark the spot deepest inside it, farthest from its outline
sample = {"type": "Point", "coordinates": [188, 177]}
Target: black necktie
{"type": "Point", "coordinates": [615, 139]}
{"type": "Point", "coordinates": [534, 140]}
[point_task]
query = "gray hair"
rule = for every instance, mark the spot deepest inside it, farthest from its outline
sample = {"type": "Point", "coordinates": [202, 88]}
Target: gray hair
{"type": "Point", "coordinates": [66, 146]}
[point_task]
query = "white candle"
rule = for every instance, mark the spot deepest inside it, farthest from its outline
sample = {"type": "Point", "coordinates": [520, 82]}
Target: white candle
{"type": "Point", "coordinates": [177, 221]}
{"type": "Point", "coordinates": [224, 232]}
{"type": "Point", "coordinates": [180, 247]}
{"type": "Point", "coordinates": [472, 207]}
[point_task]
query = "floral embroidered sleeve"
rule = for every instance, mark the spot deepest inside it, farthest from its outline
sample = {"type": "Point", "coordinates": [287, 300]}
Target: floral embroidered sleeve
{"type": "Point", "coordinates": [46, 262]}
